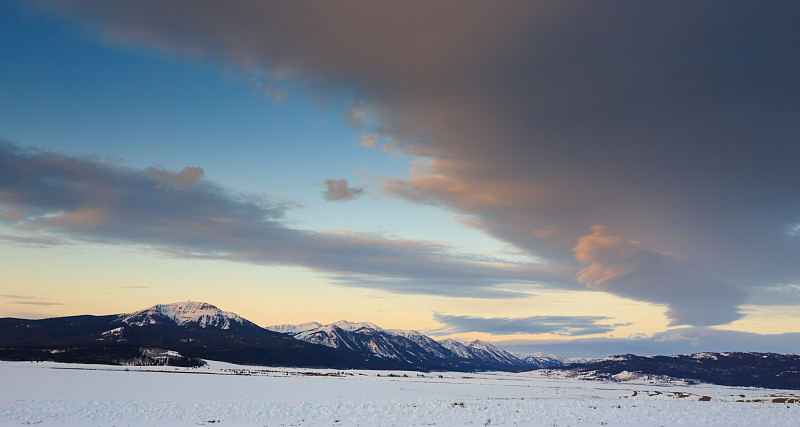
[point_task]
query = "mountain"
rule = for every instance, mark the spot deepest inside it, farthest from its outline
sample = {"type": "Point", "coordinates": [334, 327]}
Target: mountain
{"type": "Point", "coordinates": [541, 360]}
{"type": "Point", "coordinates": [196, 330]}
{"type": "Point", "coordinates": [192, 329]}
{"type": "Point", "coordinates": [485, 352]}
{"type": "Point", "coordinates": [769, 370]}
{"type": "Point", "coordinates": [294, 329]}
{"type": "Point", "coordinates": [189, 313]}
{"type": "Point", "coordinates": [405, 347]}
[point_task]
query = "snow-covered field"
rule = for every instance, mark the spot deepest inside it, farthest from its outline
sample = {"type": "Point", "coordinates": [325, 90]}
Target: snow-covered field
{"type": "Point", "coordinates": [51, 394]}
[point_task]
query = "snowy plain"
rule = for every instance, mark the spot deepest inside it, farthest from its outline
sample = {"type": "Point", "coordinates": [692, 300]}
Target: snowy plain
{"type": "Point", "coordinates": [56, 394]}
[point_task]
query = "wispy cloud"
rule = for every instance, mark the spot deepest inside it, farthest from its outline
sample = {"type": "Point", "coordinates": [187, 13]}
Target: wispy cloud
{"type": "Point", "coordinates": [29, 300]}
{"type": "Point", "coordinates": [41, 303]}
{"type": "Point", "coordinates": [29, 297]}
{"type": "Point", "coordinates": [77, 198]}
{"type": "Point", "coordinates": [559, 325]}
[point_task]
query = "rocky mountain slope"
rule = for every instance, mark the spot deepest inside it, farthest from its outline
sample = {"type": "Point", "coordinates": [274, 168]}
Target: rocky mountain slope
{"type": "Point", "coordinates": [410, 347]}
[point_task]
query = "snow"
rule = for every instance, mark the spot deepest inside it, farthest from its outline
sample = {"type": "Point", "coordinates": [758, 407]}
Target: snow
{"type": "Point", "coordinates": [310, 327]}
{"type": "Point", "coordinates": [391, 343]}
{"type": "Point", "coordinates": [495, 352]}
{"type": "Point", "coordinates": [181, 313]}
{"type": "Point", "coordinates": [456, 347]}
{"type": "Point", "coordinates": [113, 332]}
{"type": "Point", "coordinates": [354, 326]}
{"type": "Point", "coordinates": [480, 349]}
{"type": "Point", "coordinates": [53, 394]}
{"type": "Point", "coordinates": [294, 329]}
{"type": "Point", "coordinates": [612, 358]}
{"type": "Point", "coordinates": [705, 356]}
{"type": "Point", "coordinates": [552, 357]}
{"type": "Point", "coordinates": [325, 335]}
{"type": "Point", "coordinates": [413, 335]}
{"type": "Point", "coordinates": [365, 335]}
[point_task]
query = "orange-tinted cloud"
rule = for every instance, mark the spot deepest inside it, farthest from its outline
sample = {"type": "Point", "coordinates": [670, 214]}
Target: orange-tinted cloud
{"type": "Point", "coordinates": [605, 256]}
{"type": "Point", "coordinates": [623, 267]}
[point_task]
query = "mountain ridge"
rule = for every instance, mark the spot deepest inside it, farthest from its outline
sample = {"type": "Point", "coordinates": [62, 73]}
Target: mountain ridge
{"type": "Point", "coordinates": [203, 331]}
{"type": "Point", "coordinates": [186, 333]}
{"type": "Point", "coordinates": [744, 369]}
{"type": "Point", "coordinates": [406, 346]}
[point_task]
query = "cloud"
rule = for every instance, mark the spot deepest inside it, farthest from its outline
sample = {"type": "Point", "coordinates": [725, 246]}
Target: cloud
{"type": "Point", "coordinates": [42, 303]}
{"type": "Point", "coordinates": [338, 190]}
{"type": "Point", "coordinates": [674, 341]}
{"type": "Point", "coordinates": [16, 297]}
{"type": "Point", "coordinates": [666, 122]}
{"type": "Point", "coordinates": [368, 141]}
{"type": "Point", "coordinates": [31, 241]}
{"type": "Point", "coordinates": [70, 198]}
{"type": "Point", "coordinates": [622, 267]}
{"type": "Point", "coordinates": [560, 325]}
{"type": "Point", "coordinates": [180, 180]}
{"type": "Point", "coordinates": [134, 287]}
{"type": "Point", "coordinates": [29, 300]}
{"type": "Point", "coordinates": [777, 294]}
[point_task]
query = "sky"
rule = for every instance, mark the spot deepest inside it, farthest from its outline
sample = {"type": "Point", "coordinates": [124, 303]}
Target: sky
{"type": "Point", "coordinates": [580, 178]}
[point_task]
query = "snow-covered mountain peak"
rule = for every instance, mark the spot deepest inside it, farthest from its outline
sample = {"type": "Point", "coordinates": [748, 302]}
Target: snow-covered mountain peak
{"type": "Point", "coordinates": [456, 347]}
{"type": "Point", "coordinates": [294, 329]}
{"type": "Point", "coordinates": [405, 333]}
{"type": "Point", "coordinates": [483, 345]}
{"type": "Point", "coordinates": [543, 360]}
{"type": "Point", "coordinates": [402, 345]}
{"type": "Point", "coordinates": [188, 312]}
{"type": "Point", "coordinates": [354, 326]}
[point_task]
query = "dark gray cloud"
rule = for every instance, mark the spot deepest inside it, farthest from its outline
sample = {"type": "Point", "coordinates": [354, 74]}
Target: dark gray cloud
{"type": "Point", "coordinates": [777, 294]}
{"type": "Point", "coordinates": [620, 266]}
{"type": "Point", "coordinates": [560, 325]}
{"type": "Point", "coordinates": [675, 341]}
{"type": "Point", "coordinates": [83, 199]}
{"type": "Point", "coordinates": [338, 190]}
{"type": "Point", "coordinates": [672, 123]}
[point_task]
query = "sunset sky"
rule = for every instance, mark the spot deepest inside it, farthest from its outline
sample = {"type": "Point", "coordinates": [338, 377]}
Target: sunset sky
{"type": "Point", "coordinates": [580, 178]}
